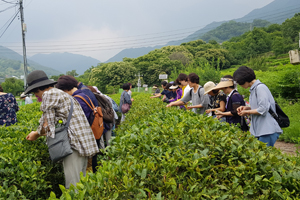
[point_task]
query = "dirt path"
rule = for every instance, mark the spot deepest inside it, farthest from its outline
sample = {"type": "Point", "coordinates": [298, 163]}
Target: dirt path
{"type": "Point", "coordinates": [288, 148]}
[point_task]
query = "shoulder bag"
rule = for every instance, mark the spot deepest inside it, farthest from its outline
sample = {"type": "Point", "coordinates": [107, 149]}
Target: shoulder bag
{"type": "Point", "coordinates": [125, 106]}
{"type": "Point", "coordinates": [59, 147]}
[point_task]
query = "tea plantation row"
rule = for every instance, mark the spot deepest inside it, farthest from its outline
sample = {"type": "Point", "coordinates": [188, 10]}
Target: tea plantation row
{"type": "Point", "coordinates": [162, 153]}
{"type": "Point", "coordinates": [25, 169]}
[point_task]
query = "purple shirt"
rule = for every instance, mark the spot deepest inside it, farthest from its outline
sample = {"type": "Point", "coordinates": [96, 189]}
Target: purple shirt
{"type": "Point", "coordinates": [178, 95]}
{"type": "Point", "coordinates": [86, 109]}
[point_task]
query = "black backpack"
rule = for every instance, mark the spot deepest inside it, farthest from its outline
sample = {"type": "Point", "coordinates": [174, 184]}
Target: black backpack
{"type": "Point", "coordinates": [107, 110]}
{"type": "Point", "coordinates": [281, 118]}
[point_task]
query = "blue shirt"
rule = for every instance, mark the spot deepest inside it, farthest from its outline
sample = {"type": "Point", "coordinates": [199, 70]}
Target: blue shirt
{"type": "Point", "coordinates": [167, 93]}
{"type": "Point", "coordinates": [262, 99]}
{"type": "Point", "coordinates": [89, 93]}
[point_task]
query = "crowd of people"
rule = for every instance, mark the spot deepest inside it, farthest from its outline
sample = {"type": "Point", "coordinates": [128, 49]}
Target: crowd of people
{"type": "Point", "coordinates": [223, 101]}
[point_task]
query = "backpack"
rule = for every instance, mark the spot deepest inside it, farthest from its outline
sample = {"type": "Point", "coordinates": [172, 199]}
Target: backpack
{"type": "Point", "coordinates": [115, 105]}
{"type": "Point", "coordinates": [107, 110]}
{"type": "Point", "coordinates": [281, 118]}
{"type": "Point", "coordinates": [97, 126]}
{"type": "Point", "coordinates": [197, 91]}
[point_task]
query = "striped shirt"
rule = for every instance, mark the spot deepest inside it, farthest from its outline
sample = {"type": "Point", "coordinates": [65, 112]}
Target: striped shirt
{"type": "Point", "coordinates": [56, 106]}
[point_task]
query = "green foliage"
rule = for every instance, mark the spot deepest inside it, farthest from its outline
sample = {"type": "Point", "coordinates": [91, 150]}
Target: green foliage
{"type": "Point", "coordinates": [113, 74]}
{"type": "Point", "coordinates": [217, 57]}
{"type": "Point", "coordinates": [258, 63]}
{"type": "Point", "coordinates": [13, 85]}
{"type": "Point", "coordinates": [175, 154]}
{"type": "Point", "coordinates": [55, 78]}
{"type": "Point", "coordinates": [26, 172]}
{"type": "Point", "coordinates": [72, 73]}
{"type": "Point", "coordinates": [291, 27]}
{"type": "Point", "coordinates": [257, 42]}
{"type": "Point", "coordinates": [232, 29]}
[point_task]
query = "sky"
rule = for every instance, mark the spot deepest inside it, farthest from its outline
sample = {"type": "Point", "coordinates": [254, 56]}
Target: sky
{"type": "Point", "coordinates": [102, 28]}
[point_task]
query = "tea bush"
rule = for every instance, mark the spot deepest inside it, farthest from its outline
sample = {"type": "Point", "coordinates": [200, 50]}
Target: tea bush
{"type": "Point", "coordinates": [25, 169]}
{"type": "Point", "coordinates": [167, 153]}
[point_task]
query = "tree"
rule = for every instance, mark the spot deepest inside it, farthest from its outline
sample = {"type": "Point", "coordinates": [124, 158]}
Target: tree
{"type": "Point", "coordinates": [72, 73]}
{"type": "Point", "coordinates": [257, 42]}
{"type": "Point", "coordinates": [113, 74]}
{"type": "Point", "coordinates": [55, 78]}
{"type": "Point", "coordinates": [291, 28]}
{"type": "Point", "coordinates": [13, 85]}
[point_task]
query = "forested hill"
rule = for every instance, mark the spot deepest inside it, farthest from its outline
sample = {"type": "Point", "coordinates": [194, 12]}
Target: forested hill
{"type": "Point", "coordinates": [275, 12]}
{"type": "Point", "coordinates": [11, 64]}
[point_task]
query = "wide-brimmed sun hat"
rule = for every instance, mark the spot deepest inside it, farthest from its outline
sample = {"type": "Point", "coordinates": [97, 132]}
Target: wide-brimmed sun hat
{"type": "Point", "coordinates": [23, 95]}
{"type": "Point", "coordinates": [225, 82]}
{"type": "Point", "coordinates": [173, 87]}
{"type": "Point", "coordinates": [209, 86]}
{"type": "Point", "coordinates": [36, 79]}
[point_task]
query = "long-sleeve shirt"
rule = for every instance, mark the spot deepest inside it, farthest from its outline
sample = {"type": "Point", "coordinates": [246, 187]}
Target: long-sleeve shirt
{"type": "Point", "coordinates": [197, 98]}
{"type": "Point", "coordinates": [262, 99]}
{"type": "Point", "coordinates": [178, 95]}
{"type": "Point", "coordinates": [125, 98]}
{"type": "Point", "coordinates": [86, 109]}
{"type": "Point", "coordinates": [56, 106]}
{"type": "Point", "coordinates": [8, 109]}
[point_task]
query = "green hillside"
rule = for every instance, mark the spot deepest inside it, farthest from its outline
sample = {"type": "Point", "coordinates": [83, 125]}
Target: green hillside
{"type": "Point", "coordinates": [11, 64]}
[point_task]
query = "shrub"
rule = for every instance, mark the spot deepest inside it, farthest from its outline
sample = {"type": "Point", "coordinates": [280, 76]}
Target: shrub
{"type": "Point", "coordinates": [26, 171]}
{"type": "Point", "coordinates": [164, 153]}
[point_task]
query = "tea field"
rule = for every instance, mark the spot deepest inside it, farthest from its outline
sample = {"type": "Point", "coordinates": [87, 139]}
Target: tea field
{"type": "Point", "coordinates": [158, 153]}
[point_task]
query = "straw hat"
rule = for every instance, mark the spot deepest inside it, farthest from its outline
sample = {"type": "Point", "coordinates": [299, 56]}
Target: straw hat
{"type": "Point", "coordinates": [36, 79]}
{"type": "Point", "coordinates": [209, 86]}
{"type": "Point", "coordinates": [225, 82]}
{"type": "Point", "coordinates": [173, 87]}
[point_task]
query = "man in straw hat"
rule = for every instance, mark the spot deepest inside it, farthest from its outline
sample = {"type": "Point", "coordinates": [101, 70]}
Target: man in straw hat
{"type": "Point", "coordinates": [196, 94]}
{"type": "Point", "coordinates": [233, 101]}
{"type": "Point", "coordinates": [56, 107]}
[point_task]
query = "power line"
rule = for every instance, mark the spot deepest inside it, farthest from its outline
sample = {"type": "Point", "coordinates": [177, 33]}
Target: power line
{"type": "Point", "coordinates": [8, 8]}
{"type": "Point", "coordinates": [10, 2]}
{"type": "Point", "coordinates": [9, 23]}
{"type": "Point", "coordinates": [158, 41]}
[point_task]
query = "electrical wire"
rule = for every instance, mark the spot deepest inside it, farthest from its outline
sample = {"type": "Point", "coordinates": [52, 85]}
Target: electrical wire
{"type": "Point", "coordinates": [123, 44]}
{"type": "Point", "coordinates": [9, 24]}
{"type": "Point", "coordinates": [10, 2]}
{"type": "Point", "coordinates": [8, 8]}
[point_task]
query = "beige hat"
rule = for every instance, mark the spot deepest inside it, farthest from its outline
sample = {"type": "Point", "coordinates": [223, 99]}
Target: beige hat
{"type": "Point", "coordinates": [225, 82]}
{"type": "Point", "coordinates": [209, 86]}
{"type": "Point", "coordinates": [173, 87]}
{"type": "Point", "coordinates": [154, 87]}
{"type": "Point", "coordinates": [23, 95]}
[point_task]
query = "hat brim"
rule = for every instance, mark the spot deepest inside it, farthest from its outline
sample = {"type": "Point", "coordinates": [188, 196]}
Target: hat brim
{"type": "Point", "coordinates": [209, 91]}
{"type": "Point", "coordinates": [223, 84]}
{"type": "Point", "coordinates": [39, 84]}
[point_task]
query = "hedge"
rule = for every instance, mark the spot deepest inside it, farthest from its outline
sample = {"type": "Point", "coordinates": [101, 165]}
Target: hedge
{"type": "Point", "coordinates": [167, 153]}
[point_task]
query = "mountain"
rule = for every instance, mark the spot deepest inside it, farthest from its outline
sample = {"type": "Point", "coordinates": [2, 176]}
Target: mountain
{"type": "Point", "coordinates": [11, 64]}
{"type": "Point", "coordinates": [275, 12]}
{"type": "Point", "coordinates": [66, 61]}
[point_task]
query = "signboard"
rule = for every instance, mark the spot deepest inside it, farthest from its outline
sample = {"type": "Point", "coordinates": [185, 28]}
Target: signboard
{"type": "Point", "coordinates": [145, 85]}
{"type": "Point", "coordinates": [163, 76]}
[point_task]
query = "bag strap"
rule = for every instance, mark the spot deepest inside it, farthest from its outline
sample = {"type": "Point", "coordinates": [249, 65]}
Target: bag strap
{"type": "Point", "coordinates": [198, 91]}
{"type": "Point", "coordinates": [274, 114]}
{"type": "Point", "coordinates": [70, 113]}
{"type": "Point", "coordinates": [91, 106]}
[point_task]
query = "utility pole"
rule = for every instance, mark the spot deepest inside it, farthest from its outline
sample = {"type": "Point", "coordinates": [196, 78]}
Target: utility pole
{"type": "Point", "coordinates": [23, 28]}
{"type": "Point", "coordinates": [139, 81]}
